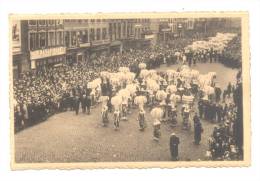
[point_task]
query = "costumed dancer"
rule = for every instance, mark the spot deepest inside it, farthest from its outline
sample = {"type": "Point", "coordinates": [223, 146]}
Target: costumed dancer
{"type": "Point", "coordinates": [141, 119]}
{"type": "Point", "coordinates": [173, 115]}
{"type": "Point", "coordinates": [124, 108]}
{"type": "Point", "coordinates": [104, 115]}
{"type": "Point", "coordinates": [186, 117]}
{"type": "Point", "coordinates": [116, 119]}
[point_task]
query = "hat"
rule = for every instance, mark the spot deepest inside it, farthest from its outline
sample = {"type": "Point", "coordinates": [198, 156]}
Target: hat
{"type": "Point", "coordinates": [173, 134]}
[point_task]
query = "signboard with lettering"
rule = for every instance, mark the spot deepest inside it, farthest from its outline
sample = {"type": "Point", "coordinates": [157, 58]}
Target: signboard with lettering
{"type": "Point", "coordinates": [100, 42]}
{"type": "Point", "coordinates": [84, 45]}
{"type": "Point", "coordinates": [16, 36]}
{"type": "Point", "coordinates": [166, 29]}
{"type": "Point", "coordinates": [149, 36]}
{"type": "Point", "coordinates": [49, 52]}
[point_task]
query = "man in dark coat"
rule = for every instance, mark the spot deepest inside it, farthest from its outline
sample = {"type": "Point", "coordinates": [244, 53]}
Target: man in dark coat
{"type": "Point", "coordinates": [213, 112]}
{"type": "Point", "coordinates": [88, 100]}
{"type": "Point", "coordinates": [174, 144]}
{"type": "Point", "coordinates": [196, 118]}
{"type": "Point", "coordinates": [218, 93]}
{"type": "Point", "coordinates": [210, 55]}
{"type": "Point", "coordinates": [88, 104]}
{"type": "Point", "coordinates": [76, 105]}
{"type": "Point", "coordinates": [84, 103]}
{"type": "Point", "coordinates": [197, 132]}
{"type": "Point", "coordinates": [219, 111]}
{"type": "Point", "coordinates": [200, 107]}
{"type": "Point", "coordinates": [229, 89]}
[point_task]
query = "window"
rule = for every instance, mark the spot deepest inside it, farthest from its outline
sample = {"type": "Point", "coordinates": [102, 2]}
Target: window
{"type": "Point", "coordinates": [104, 33]}
{"type": "Point", "coordinates": [33, 22]}
{"type": "Point", "coordinates": [85, 36]}
{"type": "Point", "coordinates": [59, 38]}
{"type": "Point", "coordinates": [190, 25]}
{"type": "Point", "coordinates": [59, 22]}
{"type": "Point", "coordinates": [119, 30]}
{"type": "Point", "coordinates": [73, 38]}
{"type": "Point", "coordinates": [92, 20]}
{"type": "Point", "coordinates": [33, 42]}
{"type": "Point", "coordinates": [110, 28]}
{"type": "Point", "coordinates": [51, 22]}
{"type": "Point", "coordinates": [98, 34]}
{"type": "Point", "coordinates": [124, 29]}
{"type": "Point", "coordinates": [114, 31]}
{"type": "Point", "coordinates": [175, 27]}
{"type": "Point", "coordinates": [42, 40]}
{"type": "Point", "coordinates": [79, 36]}
{"type": "Point", "coordinates": [98, 20]}
{"type": "Point", "coordinates": [128, 31]}
{"type": "Point", "coordinates": [51, 39]}
{"type": "Point", "coordinates": [42, 22]}
{"type": "Point", "coordinates": [92, 34]}
{"type": "Point", "coordinates": [67, 39]}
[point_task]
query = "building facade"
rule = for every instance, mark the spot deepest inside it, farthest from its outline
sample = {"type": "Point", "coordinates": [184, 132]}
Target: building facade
{"type": "Point", "coordinates": [20, 54]}
{"type": "Point", "coordinates": [46, 43]}
{"type": "Point", "coordinates": [120, 32]}
{"type": "Point", "coordinates": [129, 33]}
{"type": "Point", "coordinates": [85, 37]}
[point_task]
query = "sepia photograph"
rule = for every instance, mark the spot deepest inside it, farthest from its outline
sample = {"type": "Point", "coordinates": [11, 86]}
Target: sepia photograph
{"type": "Point", "coordinates": [133, 90]}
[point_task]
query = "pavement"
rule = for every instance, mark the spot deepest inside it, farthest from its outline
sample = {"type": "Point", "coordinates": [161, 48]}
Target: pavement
{"type": "Point", "coordinates": [66, 137]}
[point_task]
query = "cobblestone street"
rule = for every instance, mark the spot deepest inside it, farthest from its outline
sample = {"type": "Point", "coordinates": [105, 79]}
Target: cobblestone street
{"type": "Point", "coordinates": [66, 137]}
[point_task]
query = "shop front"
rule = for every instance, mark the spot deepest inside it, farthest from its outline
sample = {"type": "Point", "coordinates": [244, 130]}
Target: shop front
{"type": "Point", "coordinates": [47, 58]}
{"type": "Point", "coordinates": [83, 53]}
{"type": "Point", "coordinates": [20, 64]}
{"type": "Point", "coordinates": [99, 48]}
{"type": "Point", "coordinates": [116, 46]}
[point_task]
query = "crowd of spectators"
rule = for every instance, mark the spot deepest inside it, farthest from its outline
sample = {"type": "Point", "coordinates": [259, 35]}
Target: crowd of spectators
{"type": "Point", "coordinates": [42, 93]}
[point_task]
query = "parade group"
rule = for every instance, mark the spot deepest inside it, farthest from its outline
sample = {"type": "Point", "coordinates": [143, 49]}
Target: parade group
{"type": "Point", "coordinates": [124, 81]}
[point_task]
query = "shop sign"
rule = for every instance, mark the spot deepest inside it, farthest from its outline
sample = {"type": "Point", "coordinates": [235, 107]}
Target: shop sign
{"type": "Point", "coordinates": [82, 45]}
{"type": "Point", "coordinates": [166, 29]}
{"type": "Point", "coordinates": [149, 36]}
{"type": "Point", "coordinates": [49, 52]}
{"type": "Point", "coordinates": [115, 43]}
{"type": "Point", "coordinates": [100, 42]}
